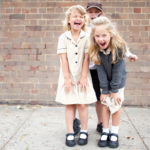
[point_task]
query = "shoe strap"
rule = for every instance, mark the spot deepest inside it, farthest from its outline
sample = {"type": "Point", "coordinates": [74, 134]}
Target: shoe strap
{"type": "Point", "coordinates": [113, 134]}
{"type": "Point", "coordinates": [104, 133]}
{"type": "Point", "coordinates": [84, 133]}
{"type": "Point", "coordinates": [68, 134]}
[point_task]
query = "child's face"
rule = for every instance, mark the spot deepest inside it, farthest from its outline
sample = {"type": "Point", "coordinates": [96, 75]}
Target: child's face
{"type": "Point", "coordinates": [76, 20]}
{"type": "Point", "coordinates": [93, 13]}
{"type": "Point", "coordinates": [102, 37]}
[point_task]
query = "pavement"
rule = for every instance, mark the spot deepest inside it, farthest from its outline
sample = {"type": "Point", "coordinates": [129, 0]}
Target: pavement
{"type": "Point", "coordinates": [44, 128]}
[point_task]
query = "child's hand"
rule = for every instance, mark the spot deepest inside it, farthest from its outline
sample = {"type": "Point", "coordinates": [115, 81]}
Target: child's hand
{"type": "Point", "coordinates": [67, 84]}
{"type": "Point", "coordinates": [133, 58]}
{"type": "Point", "coordinates": [117, 98]}
{"type": "Point", "coordinates": [103, 97]}
{"type": "Point", "coordinates": [83, 83]}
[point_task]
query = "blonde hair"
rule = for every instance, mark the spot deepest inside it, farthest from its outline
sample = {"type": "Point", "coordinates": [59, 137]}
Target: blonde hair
{"type": "Point", "coordinates": [71, 10]}
{"type": "Point", "coordinates": [116, 41]}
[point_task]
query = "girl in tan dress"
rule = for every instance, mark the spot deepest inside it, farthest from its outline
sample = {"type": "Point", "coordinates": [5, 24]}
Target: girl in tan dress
{"type": "Point", "coordinates": [75, 85]}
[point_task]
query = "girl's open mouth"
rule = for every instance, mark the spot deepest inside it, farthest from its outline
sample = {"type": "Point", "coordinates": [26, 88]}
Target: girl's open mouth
{"type": "Point", "coordinates": [77, 24]}
{"type": "Point", "coordinates": [103, 44]}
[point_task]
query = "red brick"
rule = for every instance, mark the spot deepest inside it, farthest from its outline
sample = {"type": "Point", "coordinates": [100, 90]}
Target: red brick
{"type": "Point", "coordinates": [16, 4]}
{"type": "Point", "coordinates": [9, 68]}
{"type": "Point", "coordinates": [25, 10]}
{"type": "Point", "coordinates": [33, 10]}
{"type": "Point", "coordinates": [8, 57]}
{"type": "Point", "coordinates": [145, 92]}
{"type": "Point", "coordinates": [136, 16]}
{"type": "Point", "coordinates": [128, 10]}
{"type": "Point", "coordinates": [17, 10]}
{"type": "Point", "coordinates": [33, 16]}
{"type": "Point", "coordinates": [41, 46]}
{"type": "Point", "coordinates": [119, 10]}
{"type": "Point", "coordinates": [2, 79]}
{"type": "Point", "coordinates": [136, 4]}
{"type": "Point", "coordinates": [16, 45]}
{"type": "Point", "coordinates": [42, 10]}
{"type": "Point", "coordinates": [145, 10]}
{"type": "Point", "coordinates": [9, 10]}
{"type": "Point", "coordinates": [5, 5]}
{"type": "Point", "coordinates": [33, 68]}
{"type": "Point", "coordinates": [137, 10]}
{"type": "Point", "coordinates": [33, 22]}
{"type": "Point", "coordinates": [119, 16]}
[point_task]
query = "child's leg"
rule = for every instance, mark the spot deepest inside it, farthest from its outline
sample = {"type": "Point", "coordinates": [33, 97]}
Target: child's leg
{"type": "Point", "coordinates": [103, 142]}
{"type": "Point", "coordinates": [98, 111]}
{"type": "Point", "coordinates": [116, 118]}
{"type": "Point", "coordinates": [105, 120]}
{"type": "Point", "coordinates": [76, 122]}
{"type": "Point", "coordinates": [105, 116]}
{"type": "Point", "coordinates": [69, 117]}
{"type": "Point", "coordinates": [83, 115]}
{"type": "Point", "coordinates": [115, 124]}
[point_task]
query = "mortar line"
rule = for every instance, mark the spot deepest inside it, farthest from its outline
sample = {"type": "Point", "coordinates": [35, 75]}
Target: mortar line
{"type": "Point", "coordinates": [136, 129]}
{"type": "Point", "coordinates": [17, 130]}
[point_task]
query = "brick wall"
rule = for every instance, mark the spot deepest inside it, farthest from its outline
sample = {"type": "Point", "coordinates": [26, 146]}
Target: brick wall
{"type": "Point", "coordinates": [29, 66]}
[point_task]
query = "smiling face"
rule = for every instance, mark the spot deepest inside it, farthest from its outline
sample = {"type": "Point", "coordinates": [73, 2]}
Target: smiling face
{"type": "Point", "coordinates": [76, 20]}
{"type": "Point", "coordinates": [93, 13]}
{"type": "Point", "coordinates": [102, 36]}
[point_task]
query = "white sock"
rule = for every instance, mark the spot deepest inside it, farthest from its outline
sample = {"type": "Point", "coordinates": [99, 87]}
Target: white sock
{"type": "Point", "coordinates": [104, 137]}
{"type": "Point", "coordinates": [70, 137]}
{"type": "Point", "coordinates": [114, 129]}
{"type": "Point", "coordinates": [83, 136]}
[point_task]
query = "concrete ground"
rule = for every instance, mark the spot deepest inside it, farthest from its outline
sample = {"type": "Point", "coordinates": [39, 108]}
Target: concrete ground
{"type": "Point", "coordinates": [44, 128]}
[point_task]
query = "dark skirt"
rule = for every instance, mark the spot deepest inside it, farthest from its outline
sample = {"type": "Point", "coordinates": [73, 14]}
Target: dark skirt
{"type": "Point", "coordinates": [96, 84]}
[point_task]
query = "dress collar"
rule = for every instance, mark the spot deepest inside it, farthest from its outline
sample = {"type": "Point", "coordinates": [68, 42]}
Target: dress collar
{"type": "Point", "coordinates": [69, 35]}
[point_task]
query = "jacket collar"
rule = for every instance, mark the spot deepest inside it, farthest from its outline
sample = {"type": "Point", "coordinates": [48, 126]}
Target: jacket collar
{"type": "Point", "coordinates": [107, 52]}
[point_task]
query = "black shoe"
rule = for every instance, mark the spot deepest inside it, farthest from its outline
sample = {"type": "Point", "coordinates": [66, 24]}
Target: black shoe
{"type": "Point", "coordinates": [99, 128]}
{"type": "Point", "coordinates": [113, 144]}
{"type": "Point", "coordinates": [76, 126]}
{"type": "Point", "coordinates": [83, 141]}
{"type": "Point", "coordinates": [104, 143]}
{"type": "Point", "coordinates": [70, 143]}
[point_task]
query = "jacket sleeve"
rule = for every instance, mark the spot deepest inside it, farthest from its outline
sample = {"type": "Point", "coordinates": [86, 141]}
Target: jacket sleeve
{"type": "Point", "coordinates": [117, 70]}
{"type": "Point", "coordinates": [102, 76]}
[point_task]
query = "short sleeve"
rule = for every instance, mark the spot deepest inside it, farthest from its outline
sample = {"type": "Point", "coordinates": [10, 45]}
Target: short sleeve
{"type": "Point", "coordinates": [61, 48]}
{"type": "Point", "coordinates": [86, 44]}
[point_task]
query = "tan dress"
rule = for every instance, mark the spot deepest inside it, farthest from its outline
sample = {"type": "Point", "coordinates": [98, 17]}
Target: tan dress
{"type": "Point", "coordinates": [75, 53]}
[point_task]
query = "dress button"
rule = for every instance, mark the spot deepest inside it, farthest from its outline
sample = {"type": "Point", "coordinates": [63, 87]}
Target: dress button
{"type": "Point", "coordinates": [75, 45]}
{"type": "Point", "coordinates": [76, 53]}
{"type": "Point", "coordinates": [76, 62]}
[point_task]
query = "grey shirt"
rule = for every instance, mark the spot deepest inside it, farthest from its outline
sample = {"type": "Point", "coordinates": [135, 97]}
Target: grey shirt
{"type": "Point", "coordinates": [111, 76]}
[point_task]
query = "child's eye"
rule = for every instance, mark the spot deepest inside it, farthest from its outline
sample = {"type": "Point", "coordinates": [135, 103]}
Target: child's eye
{"type": "Point", "coordinates": [81, 17]}
{"type": "Point", "coordinates": [104, 35]}
{"type": "Point", "coordinates": [96, 35]}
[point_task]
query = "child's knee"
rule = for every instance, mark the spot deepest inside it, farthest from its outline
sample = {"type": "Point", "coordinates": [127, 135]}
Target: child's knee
{"type": "Point", "coordinates": [82, 107]}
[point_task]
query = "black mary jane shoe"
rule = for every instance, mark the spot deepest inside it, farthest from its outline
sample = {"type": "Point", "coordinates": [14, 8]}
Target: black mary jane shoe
{"type": "Point", "coordinates": [70, 143]}
{"type": "Point", "coordinates": [113, 144]}
{"type": "Point", "coordinates": [104, 143]}
{"type": "Point", "coordinates": [83, 141]}
{"type": "Point", "coordinates": [76, 126]}
{"type": "Point", "coordinates": [99, 127]}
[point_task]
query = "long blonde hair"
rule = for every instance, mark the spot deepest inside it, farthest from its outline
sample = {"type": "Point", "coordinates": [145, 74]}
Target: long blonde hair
{"type": "Point", "coordinates": [71, 10]}
{"type": "Point", "coordinates": [116, 41]}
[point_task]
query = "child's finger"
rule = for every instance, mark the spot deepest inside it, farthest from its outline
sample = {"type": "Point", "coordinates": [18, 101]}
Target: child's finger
{"type": "Point", "coordinates": [78, 82]}
{"type": "Point", "coordinates": [73, 82]}
{"type": "Point", "coordinates": [115, 102]}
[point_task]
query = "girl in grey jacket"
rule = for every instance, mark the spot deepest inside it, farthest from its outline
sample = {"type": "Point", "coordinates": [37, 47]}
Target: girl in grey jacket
{"type": "Point", "coordinates": [107, 50]}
